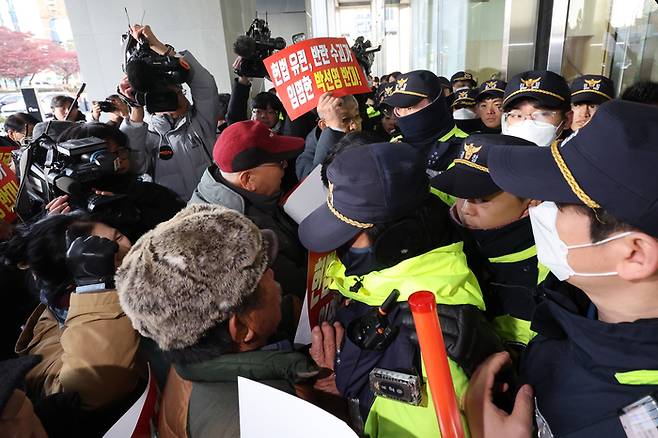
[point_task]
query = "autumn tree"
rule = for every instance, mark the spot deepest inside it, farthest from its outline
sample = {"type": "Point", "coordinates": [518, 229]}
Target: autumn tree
{"type": "Point", "coordinates": [23, 56]}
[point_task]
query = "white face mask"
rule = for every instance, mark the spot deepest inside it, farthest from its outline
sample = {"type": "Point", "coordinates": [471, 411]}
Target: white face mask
{"type": "Point", "coordinates": [464, 114]}
{"type": "Point", "coordinates": [540, 133]}
{"type": "Point", "coordinates": [551, 250]}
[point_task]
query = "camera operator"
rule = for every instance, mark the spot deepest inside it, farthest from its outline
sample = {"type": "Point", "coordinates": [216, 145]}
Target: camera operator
{"type": "Point", "coordinates": [176, 147]}
{"type": "Point", "coordinates": [114, 106]}
{"type": "Point", "coordinates": [149, 203]}
{"type": "Point", "coordinates": [19, 125]}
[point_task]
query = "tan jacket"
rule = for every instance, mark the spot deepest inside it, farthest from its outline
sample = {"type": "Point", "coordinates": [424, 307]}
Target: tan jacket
{"type": "Point", "coordinates": [17, 419]}
{"type": "Point", "coordinates": [93, 354]}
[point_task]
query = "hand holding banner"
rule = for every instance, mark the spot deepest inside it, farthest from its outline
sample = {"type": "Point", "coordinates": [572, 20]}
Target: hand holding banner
{"type": "Point", "coordinates": [301, 73]}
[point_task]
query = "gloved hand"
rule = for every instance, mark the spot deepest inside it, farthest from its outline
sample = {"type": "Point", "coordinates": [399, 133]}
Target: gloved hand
{"type": "Point", "coordinates": [91, 260]}
{"type": "Point", "coordinates": [468, 336]}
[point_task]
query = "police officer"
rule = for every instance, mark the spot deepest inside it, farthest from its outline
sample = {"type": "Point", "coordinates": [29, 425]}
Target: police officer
{"type": "Point", "coordinates": [587, 93]}
{"type": "Point", "coordinates": [462, 80]}
{"type": "Point", "coordinates": [598, 230]}
{"type": "Point", "coordinates": [536, 107]}
{"type": "Point", "coordinates": [489, 105]}
{"type": "Point", "coordinates": [389, 233]}
{"type": "Point", "coordinates": [424, 118]}
{"type": "Point", "coordinates": [463, 110]}
{"type": "Point", "coordinates": [497, 223]}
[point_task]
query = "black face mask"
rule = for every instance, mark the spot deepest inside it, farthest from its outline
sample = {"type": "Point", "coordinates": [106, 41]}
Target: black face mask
{"type": "Point", "coordinates": [358, 261]}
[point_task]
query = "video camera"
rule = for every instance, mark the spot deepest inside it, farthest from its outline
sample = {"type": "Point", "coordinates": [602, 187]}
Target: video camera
{"type": "Point", "coordinates": [365, 53]}
{"type": "Point", "coordinates": [151, 76]}
{"type": "Point", "coordinates": [254, 47]}
{"type": "Point", "coordinates": [73, 168]}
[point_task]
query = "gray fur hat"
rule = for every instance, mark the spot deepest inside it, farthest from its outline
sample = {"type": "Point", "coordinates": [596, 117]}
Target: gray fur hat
{"type": "Point", "coordinates": [188, 274]}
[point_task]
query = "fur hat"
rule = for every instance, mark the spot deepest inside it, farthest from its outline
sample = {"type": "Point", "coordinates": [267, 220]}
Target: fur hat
{"type": "Point", "coordinates": [188, 274]}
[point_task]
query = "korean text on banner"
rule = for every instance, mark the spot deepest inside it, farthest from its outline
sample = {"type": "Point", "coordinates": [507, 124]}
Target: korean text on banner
{"type": "Point", "coordinates": [8, 187]}
{"type": "Point", "coordinates": [301, 73]}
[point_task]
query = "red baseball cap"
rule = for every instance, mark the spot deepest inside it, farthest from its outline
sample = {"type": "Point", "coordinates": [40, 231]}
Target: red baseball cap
{"type": "Point", "coordinates": [248, 144]}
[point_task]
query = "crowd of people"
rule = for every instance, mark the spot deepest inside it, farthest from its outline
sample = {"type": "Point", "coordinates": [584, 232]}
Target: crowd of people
{"type": "Point", "coordinates": [527, 206]}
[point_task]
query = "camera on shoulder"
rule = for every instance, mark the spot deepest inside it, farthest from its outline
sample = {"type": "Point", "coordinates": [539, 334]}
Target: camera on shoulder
{"type": "Point", "coordinates": [254, 47]}
{"type": "Point", "coordinates": [153, 77]}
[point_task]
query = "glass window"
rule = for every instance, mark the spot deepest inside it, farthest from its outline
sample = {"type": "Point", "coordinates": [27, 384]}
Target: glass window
{"type": "Point", "coordinates": [615, 38]}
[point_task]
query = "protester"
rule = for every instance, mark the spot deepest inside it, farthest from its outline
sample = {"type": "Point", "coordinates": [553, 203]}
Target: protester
{"type": "Point", "coordinates": [213, 316]}
{"type": "Point", "coordinates": [337, 116]}
{"type": "Point", "coordinates": [249, 163]}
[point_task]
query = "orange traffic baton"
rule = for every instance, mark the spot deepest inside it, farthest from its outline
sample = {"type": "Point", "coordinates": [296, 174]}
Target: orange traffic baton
{"type": "Point", "coordinates": [433, 351]}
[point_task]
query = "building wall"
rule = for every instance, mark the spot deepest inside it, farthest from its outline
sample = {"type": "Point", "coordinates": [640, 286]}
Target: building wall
{"type": "Point", "coordinates": [206, 27]}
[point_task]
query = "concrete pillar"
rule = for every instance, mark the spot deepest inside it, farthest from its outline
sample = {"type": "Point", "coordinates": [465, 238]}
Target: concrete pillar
{"type": "Point", "coordinates": [207, 28]}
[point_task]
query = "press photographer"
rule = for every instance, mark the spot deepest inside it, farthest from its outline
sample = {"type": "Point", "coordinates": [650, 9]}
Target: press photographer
{"type": "Point", "coordinates": [115, 108]}
{"type": "Point", "coordinates": [176, 147]}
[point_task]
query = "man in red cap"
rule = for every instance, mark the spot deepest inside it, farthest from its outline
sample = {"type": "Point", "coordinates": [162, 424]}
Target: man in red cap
{"type": "Point", "coordinates": [249, 164]}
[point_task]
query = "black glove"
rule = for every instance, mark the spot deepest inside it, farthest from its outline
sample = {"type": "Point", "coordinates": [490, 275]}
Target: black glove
{"type": "Point", "coordinates": [91, 260]}
{"type": "Point", "coordinates": [468, 336]}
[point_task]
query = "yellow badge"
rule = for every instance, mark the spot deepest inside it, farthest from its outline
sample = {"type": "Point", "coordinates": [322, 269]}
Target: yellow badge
{"type": "Point", "coordinates": [489, 85]}
{"type": "Point", "coordinates": [469, 150]}
{"type": "Point", "coordinates": [592, 84]}
{"type": "Point", "coordinates": [530, 84]}
{"type": "Point", "coordinates": [401, 85]}
{"type": "Point", "coordinates": [463, 94]}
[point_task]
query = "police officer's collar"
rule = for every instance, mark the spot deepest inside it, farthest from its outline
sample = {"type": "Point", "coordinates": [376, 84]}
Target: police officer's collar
{"type": "Point", "coordinates": [558, 317]}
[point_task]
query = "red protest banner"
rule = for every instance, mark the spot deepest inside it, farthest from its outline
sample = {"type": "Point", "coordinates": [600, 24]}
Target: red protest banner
{"type": "Point", "coordinates": [8, 192]}
{"type": "Point", "coordinates": [322, 303]}
{"type": "Point", "coordinates": [301, 73]}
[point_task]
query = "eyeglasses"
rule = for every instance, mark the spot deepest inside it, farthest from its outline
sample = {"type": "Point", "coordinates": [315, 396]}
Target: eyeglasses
{"type": "Point", "coordinates": [513, 117]}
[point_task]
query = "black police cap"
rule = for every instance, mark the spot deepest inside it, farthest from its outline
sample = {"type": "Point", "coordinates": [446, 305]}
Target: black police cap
{"type": "Point", "coordinates": [493, 88]}
{"type": "Point", "coordinates": [463, 76]}
{"type": "Point", "coordinates": [592, 89]}
{"type": "Point", "coordinates": [469, 177]}
{"type": "Point", "coordinates": [412, 87]}
{"type": "Point", "coordinates": [609, 163]}
{"type": "Point", "coordinates": [550, 89]}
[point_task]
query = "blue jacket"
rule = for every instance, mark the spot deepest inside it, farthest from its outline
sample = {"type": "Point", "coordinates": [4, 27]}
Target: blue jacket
{"type": "Point", "coordinates": [584, 371]}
